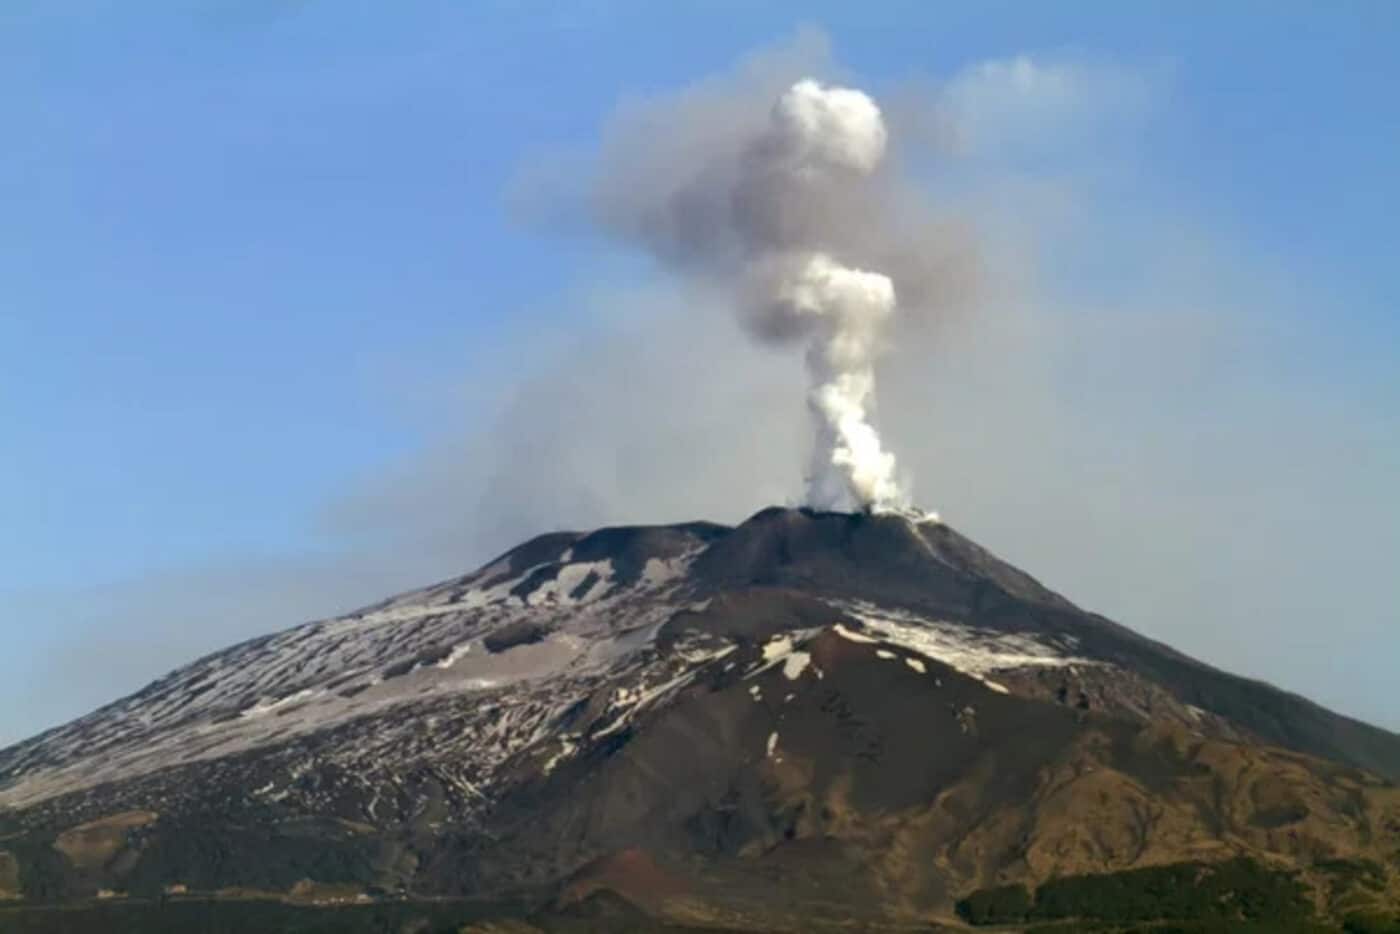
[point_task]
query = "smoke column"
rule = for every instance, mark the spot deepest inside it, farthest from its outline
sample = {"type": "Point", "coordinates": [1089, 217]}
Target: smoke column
{"type": "Point", "coordinates": [791, 211]}
{"type": "Point", "coordinates": [817, 135]}
{"type": "Point", "coordinates": [850, 306]}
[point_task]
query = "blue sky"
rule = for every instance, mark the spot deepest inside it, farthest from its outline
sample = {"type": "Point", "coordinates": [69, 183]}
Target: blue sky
{"type": "Point", "coordinates": [258, 258]}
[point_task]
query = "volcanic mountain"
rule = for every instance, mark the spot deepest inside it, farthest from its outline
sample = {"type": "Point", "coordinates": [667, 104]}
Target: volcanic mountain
{"type": "Point", "coordinates": [809, 718]}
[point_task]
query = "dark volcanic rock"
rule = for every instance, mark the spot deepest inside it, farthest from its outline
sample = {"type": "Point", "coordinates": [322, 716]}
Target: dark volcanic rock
{"type": "Point", "coordinates": [513, 634]}
{"type": "Point", "coordinates": [810, 716]}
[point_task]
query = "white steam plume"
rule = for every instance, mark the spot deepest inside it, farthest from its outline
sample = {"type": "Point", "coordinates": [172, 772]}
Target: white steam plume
{"type": "Point", "coordinates": [817, 133]}
{"type": "Point", "coordinates": [793, 212]}
{"type": "Point", "coordinates": [844, 310]}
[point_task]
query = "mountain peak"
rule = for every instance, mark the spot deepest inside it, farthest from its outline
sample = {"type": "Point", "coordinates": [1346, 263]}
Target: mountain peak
{"type": "Point", "coordinates": [893, 556]}
{"type": "Point", "coordinates": [694, 695]}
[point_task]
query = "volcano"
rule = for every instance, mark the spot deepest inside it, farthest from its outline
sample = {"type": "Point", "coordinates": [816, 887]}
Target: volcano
{"type": "Point", "coordinates": [808, 719]}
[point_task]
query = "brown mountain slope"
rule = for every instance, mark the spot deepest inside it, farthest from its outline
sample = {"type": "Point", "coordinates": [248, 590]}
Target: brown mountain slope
{"type": "Point", "coordinates": [811, 717]}
{"type": "Point", "coordinates": [874, 784]}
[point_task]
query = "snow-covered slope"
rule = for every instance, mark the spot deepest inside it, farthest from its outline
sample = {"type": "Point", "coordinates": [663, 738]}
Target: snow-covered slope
{"type": "Point", "coordinates": [578, 624]}
{"type": "Point", "coordinates": [695, 689]}
{"type": "Point", "coordinates": [419, 679]}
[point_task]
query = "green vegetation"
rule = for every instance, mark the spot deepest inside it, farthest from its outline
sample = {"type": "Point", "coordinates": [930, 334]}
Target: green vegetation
{"type": "Point", "coordinates": [1240, 890]}
{"type": "Point", "coordinates": [1352, 875]}
{"type": "Point", "coordinates": [1354, 887]}
{"type": "Point", "coordinates": [1006, 904]}
{"type": "Point", "coordinates": [1184, 927]}
{"type": "Point", "coordinates": [1370, 924]}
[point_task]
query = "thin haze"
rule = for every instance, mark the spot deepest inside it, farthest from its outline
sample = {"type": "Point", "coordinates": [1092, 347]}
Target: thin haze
{"type": "Point", "coordinates": [766, 214]}
{"type": "Point", "coordinates": [774, 190]}
{"type": "Point", "coordinates": [276, 359]}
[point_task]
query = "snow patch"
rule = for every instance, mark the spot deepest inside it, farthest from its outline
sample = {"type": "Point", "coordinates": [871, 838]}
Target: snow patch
{"type": "Point", "coordinates": [632, 702]}
{"type": "Point", "coordinates": [264, 707]}
{"type": "Point", "coordinates": [795, 664]}
{"type": "Point", "coordinates": [299, 682]}
{"type": "Point", "coordinates": [567, 746]}
{"type": "Point", "coordinates": [777, 647]}
{"type": "Point", "coordinates": [458, 651]}
{"type": "Point", "coordinates": [659, 571]}
{"type": "Point", "coordinates": [780, 649]}
{"type": "Point", "coordinates": [974, 652]}
{"type": "Point", "coordinates": [569, 579]}
{"type": "Point", "coordinates": [702, 658]}
{"type": "Point", "coordinates": [851, 636]}
{"type": "Point", "coordinates": [480, 684]}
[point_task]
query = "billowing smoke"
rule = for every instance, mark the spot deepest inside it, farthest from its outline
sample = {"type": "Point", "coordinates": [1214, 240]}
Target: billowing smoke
{"type": "Point", "coordinates": [782, 197]}
{"type": "Point", "coordinates": [841, 312]}
{"type": "Point", "coordinates": [819, 140]}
